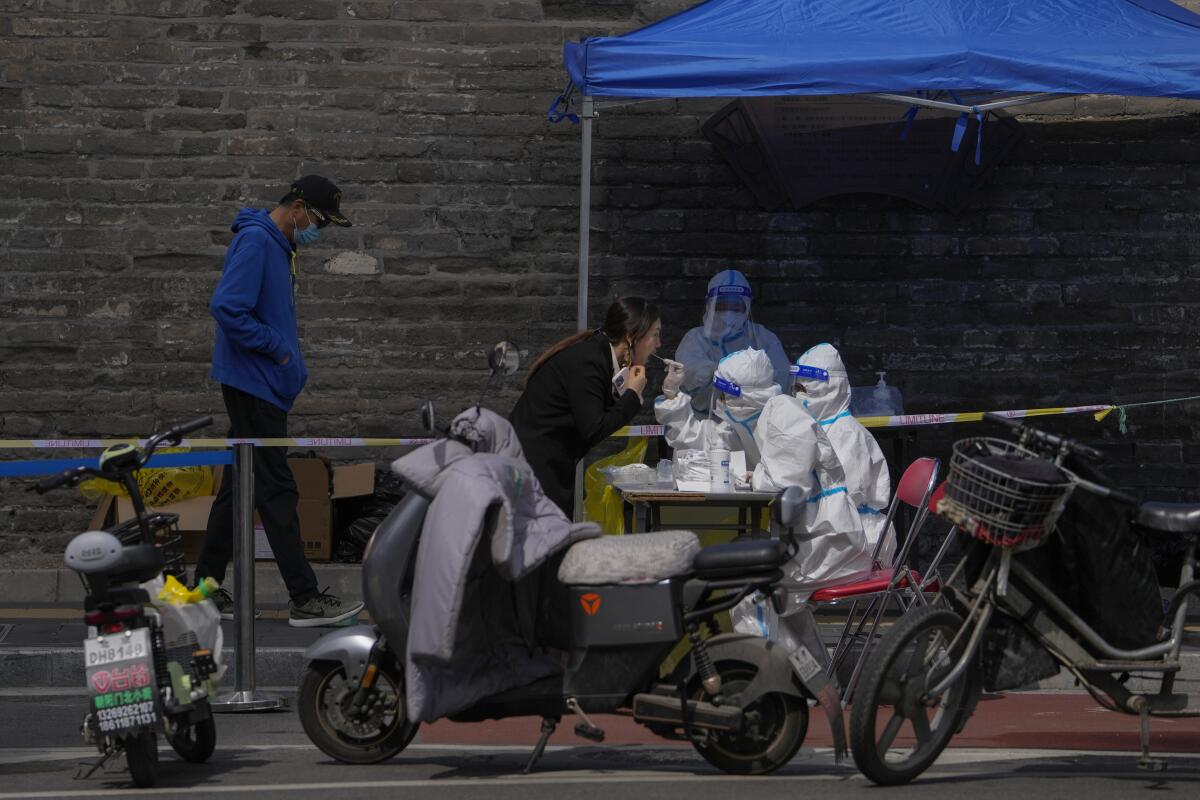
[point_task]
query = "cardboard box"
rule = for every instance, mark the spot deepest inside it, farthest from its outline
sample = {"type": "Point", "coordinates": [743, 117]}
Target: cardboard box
{"type": "Point", "coordinates": [317, 489]}
{"type": "Point", "coordinates": [193, 519]}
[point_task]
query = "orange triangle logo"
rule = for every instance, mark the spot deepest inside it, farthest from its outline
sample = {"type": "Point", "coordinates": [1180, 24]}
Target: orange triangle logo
{"type": "Point", "coordinates": [590, 603]}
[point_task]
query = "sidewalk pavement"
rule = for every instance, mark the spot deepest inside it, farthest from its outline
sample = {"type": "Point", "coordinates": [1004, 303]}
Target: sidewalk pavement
{"type": "Point", "coordinates": [51, 586]}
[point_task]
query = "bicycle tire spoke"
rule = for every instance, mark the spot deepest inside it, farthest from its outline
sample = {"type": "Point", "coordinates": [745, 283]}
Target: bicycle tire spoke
{"type": "Point", "coordinates": [888, 737]}
{"type": "Point", "coordinates": [920, 721]}
{"type": "Point", "coordinates": [916, 659]}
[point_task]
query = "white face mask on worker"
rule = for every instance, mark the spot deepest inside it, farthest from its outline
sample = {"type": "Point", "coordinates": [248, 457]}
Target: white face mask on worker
{"type": "Point", "coordinates": [727, 321]}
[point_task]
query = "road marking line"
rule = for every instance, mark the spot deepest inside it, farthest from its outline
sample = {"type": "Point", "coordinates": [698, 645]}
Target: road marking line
{"type": "Point", "coordinates": [546, 779]}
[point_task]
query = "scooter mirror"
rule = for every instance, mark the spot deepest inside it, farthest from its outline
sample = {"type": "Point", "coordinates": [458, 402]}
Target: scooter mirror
{"type": "Point", "coordinates": [429, 417]}
{"type": "Point", "coordinates": [504, 359]}
{"type": "Point", "coordinates": [788, 507]}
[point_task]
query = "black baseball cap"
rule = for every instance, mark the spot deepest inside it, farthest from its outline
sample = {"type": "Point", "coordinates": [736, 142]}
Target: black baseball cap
{"type": "Point", "coordinates": [322, 196]}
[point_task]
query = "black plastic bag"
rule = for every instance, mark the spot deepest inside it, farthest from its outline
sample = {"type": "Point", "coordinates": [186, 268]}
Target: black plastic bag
{"type": "Point", "coordinates": [357, 520]}
{"type": "Point", "coordinates": [1012, 658]}
{"type": "Point", "coordinates": [1102, 567]}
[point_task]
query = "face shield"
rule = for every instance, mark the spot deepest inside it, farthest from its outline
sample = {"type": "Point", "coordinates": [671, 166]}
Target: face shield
{"type": "Point", "coordinates": [802, 373]}
{"type": "Point", "coordinates": [823, 380]}
{"type": "Point", "coordinates": [727, 307]}
{"type": "Point", "coordinates": [723, 389]}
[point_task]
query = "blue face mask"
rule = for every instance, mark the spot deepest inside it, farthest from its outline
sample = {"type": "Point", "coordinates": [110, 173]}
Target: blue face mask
{"type": "Point", "coordinates": [308, 236]}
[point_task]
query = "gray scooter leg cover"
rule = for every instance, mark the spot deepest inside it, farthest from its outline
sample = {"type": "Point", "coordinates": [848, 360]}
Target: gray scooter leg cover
{"type": "Point", "coordinates": [777, 672]}
{"type": "Point", "coordinates": [812, 675]}
{"type": "Point", "coordinates": [349, 646]}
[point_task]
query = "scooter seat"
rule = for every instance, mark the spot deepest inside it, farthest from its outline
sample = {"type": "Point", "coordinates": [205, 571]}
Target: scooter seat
{"type": "Point", "coordinates": [636, 558]}
{"type": "Point", "coordinates": [737, 559]}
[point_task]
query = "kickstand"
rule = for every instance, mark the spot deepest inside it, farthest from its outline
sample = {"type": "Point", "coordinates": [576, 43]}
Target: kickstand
{"type": "Point", "coordinates": [87, 769]}
{"type": "Point", "coordinates": [548, 726]}
{"type": "Point", "coordinates": [1146, 762]}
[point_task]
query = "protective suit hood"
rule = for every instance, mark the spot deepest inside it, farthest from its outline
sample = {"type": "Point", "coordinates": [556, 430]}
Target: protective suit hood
{"type": "Point", "coordinates": [751, 371]}
{"type": "Point", "coordinates": [749, 383]}
{"type": "Point", "coordinates": [824, 399]}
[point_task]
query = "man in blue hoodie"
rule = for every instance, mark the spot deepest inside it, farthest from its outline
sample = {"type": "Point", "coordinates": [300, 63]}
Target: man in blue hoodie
{"type": "Point", "coordinates": [260, 367]}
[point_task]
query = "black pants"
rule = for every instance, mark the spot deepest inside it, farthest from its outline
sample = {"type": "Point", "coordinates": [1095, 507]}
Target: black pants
{"type": "Point", "coordinates": [275, 498]}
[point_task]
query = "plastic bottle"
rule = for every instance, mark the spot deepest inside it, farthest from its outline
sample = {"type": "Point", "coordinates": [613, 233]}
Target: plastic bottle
{"type": "Point", "coordinates": [886, 399]}
{"type": "Point", "coordinates": [177, 594]}
{"type": "Point", "coordinates": [666, 474]}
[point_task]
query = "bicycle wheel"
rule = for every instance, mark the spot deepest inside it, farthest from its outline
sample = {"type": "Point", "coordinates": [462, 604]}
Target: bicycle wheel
{"type": "Point", "coordinates": [896, 728]}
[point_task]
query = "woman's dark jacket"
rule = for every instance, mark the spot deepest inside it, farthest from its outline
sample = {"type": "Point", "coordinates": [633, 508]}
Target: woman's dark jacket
{"type": "Point", "coordinates": [567, 409]}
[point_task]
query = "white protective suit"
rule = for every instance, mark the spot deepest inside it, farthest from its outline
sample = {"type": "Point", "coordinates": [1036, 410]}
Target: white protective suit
{"type": "Point", "coordinates": [722, 334]}
{"type": "Point", "coordinates": [794, 451]}
{"type": "Point", "coordinates": [833, 548]}
{"type": "Point", "coordinates": [734, 418]}
{"type": "Point", "coordinates": [866, 469]}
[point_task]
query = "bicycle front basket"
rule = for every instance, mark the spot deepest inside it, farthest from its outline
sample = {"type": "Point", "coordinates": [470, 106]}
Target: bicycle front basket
{"type": "Point", "coordinates": [1002, 493]}
{"type": "Point", "coordinates": [165, 528]}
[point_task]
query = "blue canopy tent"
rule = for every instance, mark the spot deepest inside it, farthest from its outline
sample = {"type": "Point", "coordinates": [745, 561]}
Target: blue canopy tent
{"type": "Point", "coordinates": [970, 56]}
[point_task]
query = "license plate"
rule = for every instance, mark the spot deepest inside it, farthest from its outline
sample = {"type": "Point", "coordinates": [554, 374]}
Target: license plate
{"type": "Point", "coordinates": [120, 676]}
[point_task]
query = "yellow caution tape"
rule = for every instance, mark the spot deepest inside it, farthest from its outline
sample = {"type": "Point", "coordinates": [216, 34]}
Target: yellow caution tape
{"type": "Point", "coordinates": [903, 421]}
{"type": "Point", "coordinates": [919, 420]}
{"type": "Point", "coordinates": [916, 420]}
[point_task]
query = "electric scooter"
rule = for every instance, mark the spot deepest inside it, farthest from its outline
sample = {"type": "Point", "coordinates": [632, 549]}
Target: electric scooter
{"type": "Point", "coordinates": [740, 700]}
{"type": "Point", "coordinates": [139, 687]}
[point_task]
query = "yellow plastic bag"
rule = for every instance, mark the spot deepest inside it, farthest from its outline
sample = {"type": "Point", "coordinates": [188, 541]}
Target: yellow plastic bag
{"type": "Point", "coordinates": [601, 502]}
{"type": "Point", "coordinates": [160, 486]}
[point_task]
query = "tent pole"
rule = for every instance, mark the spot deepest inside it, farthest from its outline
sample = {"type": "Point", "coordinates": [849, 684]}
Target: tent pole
{"type": "Point", "coordinates": [587, 115]}
{"type": "Point", "coordinates": [993, 105]}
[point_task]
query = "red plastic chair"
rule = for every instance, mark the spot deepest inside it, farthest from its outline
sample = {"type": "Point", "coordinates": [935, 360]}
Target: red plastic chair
{"type": "Point", "coordinates": [932, 575]}
{"type": "Point", "coordinates": [896, 583]}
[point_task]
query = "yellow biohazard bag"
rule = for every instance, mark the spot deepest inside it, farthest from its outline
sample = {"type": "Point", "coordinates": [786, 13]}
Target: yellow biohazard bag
{"type": "Point", "coordinates": [601, 502]}
{"type": "Point", "coordinates": [159, 486]}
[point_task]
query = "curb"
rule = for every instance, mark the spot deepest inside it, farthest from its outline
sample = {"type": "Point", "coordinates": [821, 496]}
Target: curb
{"type": "Point", "coordinates": [62, 586]}
{"type": "Point", "coordinates": [41, 667]}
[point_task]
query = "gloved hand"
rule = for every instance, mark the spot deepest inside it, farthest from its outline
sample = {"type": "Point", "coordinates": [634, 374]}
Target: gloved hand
{"type": "Point", "coordinates": [674, 378]}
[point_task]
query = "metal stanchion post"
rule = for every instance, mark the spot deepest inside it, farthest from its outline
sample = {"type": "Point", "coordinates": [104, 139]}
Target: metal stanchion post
{"type": "Point", "coordinates": [244, 697]}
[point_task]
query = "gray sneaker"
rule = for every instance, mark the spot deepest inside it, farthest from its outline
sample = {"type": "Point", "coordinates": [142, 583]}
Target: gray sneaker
{"type": "Point", "coordinates": [321, 609]}
{"type": "Point", "coordinates": [223, 600]}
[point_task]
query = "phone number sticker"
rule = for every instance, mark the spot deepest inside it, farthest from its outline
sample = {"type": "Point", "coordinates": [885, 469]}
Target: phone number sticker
{"type": "Point", "coordinates": [121, 718]}
{"type": "Point", "coordinates": [120, 676]}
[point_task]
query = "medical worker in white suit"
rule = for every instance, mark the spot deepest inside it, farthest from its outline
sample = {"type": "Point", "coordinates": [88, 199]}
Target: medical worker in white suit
{"type": "Point", "coordinates": [743, 383]}
{"type": "Point", "coordinates": [823, 387]}
{"type": "Point", "coordinates": [728, 327]}
{"type": "Point", "coordinates": [833, 548]}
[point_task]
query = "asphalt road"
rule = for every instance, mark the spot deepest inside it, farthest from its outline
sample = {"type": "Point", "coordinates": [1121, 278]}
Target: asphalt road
{"type": "Point", "coordinates": [268, 756]}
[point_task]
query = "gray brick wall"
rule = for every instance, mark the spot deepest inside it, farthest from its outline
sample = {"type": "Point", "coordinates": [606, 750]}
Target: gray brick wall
{"type": "Point", "coordinates": [131, 131]}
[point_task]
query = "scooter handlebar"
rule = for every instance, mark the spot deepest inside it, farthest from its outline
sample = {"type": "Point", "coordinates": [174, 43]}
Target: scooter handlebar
{"type": "Point", "coordinates": [68, 477]}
